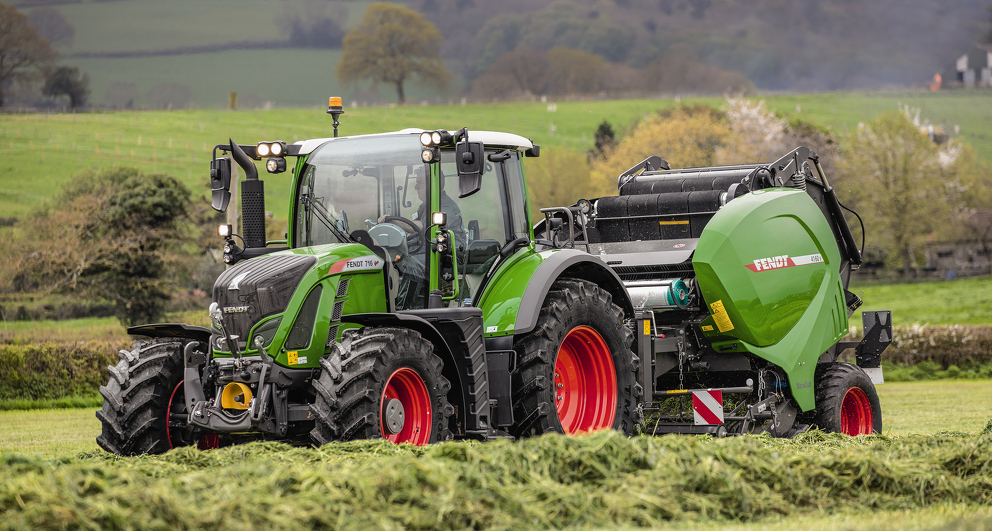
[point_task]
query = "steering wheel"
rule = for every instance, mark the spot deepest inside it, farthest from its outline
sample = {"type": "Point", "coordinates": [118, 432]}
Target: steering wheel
{"type": "Point", "coordinates": [414, 236]}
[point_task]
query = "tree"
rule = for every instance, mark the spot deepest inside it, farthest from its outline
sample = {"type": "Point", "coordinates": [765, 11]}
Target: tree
{"type": "Point", "coordinates": [908, 186]}
{"type": "Point", "coordinates": [546, 175]}
{"type": "Point", "coordinates": [52, 25]}
{"type": "Point", "coordinates": [22, 51]}
{"type": "Point", "coordinates": [67, 81]}
{"type": "Point", "coordinates": [686, 137]}
{"type": "Point", "coordinates": [309, 26]}
{"type": "Point", "coordinates": [576, 72]}
{"type": "Point", "coordinates": [393, 44]}
{"type": "Point", "coordinates": [110, 234]}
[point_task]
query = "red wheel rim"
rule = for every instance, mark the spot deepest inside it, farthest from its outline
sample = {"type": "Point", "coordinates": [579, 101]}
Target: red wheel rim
{"type": "Point", "coordinates": [855, 413]}
{"type": "Point", "coordinates": [207, 442]}
{"type": "Point", "coordinates": [585, 382]}
{"type": "Point", "coordinates": [406, 386]}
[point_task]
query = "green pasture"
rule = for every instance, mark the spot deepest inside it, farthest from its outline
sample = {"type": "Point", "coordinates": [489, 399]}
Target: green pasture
{"type": "Point", "coordinates": [958, 301]}
{"type": "Point", "coordinates": [117, 26]}
{"type": "Point", "coordinates": [40, 151]}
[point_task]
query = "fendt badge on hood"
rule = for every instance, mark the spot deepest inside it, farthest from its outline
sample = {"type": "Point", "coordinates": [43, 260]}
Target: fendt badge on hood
{"type": "Point", "coordinates": [237, 280]}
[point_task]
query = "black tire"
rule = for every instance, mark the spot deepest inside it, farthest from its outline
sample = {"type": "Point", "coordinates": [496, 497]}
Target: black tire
{"type": "Point", "coordinates": [846, 400]}
{"type": "Point", "coordinates": [374, 361]}
{"type": "Point", "coordinates": [571, 305]}
{"type": "Point", "coordinates": [144, 388]}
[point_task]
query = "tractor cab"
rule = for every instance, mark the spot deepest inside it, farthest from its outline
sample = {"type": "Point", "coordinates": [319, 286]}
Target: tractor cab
{"type": "Point", "coordinates": [437, 225]}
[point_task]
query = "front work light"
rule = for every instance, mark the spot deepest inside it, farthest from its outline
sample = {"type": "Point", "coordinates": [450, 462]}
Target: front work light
{"type": "Point", "coordinates": [270, 149]}
{"type": "Point", "coordinates": [439, 218]}
{"type": "Point", "coordinates": [275, 164]}
{"type": "Point", "coordinates": [224, 230]}
{"type": "Point", "coordinates": [427, 155]}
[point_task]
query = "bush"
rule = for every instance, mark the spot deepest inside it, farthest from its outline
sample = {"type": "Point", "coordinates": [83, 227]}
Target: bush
{"type": "Point", "coordinates": [55, 370]}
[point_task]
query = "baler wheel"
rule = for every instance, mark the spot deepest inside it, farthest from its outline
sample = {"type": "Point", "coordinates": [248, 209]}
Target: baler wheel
{"type": "Point", "coordinates": [386, 384]}
{"type": "Point", "coordinates": [576, 372]}
{"type": "Point", "coordinates": [143, 403]}
{"type": "Point", "coordinates": [846, 400]}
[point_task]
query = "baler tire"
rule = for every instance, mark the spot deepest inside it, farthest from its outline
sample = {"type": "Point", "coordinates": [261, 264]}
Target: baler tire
{"type": "Point", "coordinates": [575, 310]}
{"type": "Point", "coordinates": [846, 400]}
{"type": "Point", "coordinates": [380, 364]}
{"type": "Point", "coordinates": [139, 398]}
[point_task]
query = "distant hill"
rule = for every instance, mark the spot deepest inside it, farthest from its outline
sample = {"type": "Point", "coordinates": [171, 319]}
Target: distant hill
{"type": "Point", "coordinates": [796, 45]}
{"type": "Point", "coordinates": [182, 53]}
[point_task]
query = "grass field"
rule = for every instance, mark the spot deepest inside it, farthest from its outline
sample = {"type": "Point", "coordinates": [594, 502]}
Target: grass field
{"type": "Point", "coordinates": [911, 408]}
{"type": "Point", "coordinates": [40, 151]}
{"type": "Point", "coordinates": [54, 476]}
{"type": "Point", "coordinates": [958, 301]}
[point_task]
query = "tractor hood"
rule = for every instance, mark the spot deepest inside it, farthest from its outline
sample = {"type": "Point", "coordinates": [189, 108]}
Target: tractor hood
{"type": "Point", "coordinates": [260, 287]}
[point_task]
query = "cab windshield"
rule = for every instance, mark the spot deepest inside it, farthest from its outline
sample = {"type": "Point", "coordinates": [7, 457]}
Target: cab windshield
{"type": "Point", "coordinates": [348, 184]}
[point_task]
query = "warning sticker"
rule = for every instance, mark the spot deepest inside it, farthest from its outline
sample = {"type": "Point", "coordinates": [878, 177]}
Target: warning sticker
{"type": "Point", "coordinates": [647, 327]}
{"type": "Point", "coordinates": [723, 322]}
{"type": "Point", "coordinates": [293, 357]}
{"type": "Point", "coordinates": [707, 328]}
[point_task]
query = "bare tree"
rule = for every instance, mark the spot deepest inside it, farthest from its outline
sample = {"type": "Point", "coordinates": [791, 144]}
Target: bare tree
{"type": "Point", "coordinates": [52, 25]}
{"type": "Point", "coordinates": [393, 44]}
{"type": "Point", "coordinates": [22, 51]}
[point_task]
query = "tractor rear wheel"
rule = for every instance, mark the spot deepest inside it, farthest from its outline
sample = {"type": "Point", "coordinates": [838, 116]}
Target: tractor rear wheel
{"type": "Point", "coordinates": [575, 370]}
{"type": "Point", "coordinates": [388, 385]}
{"type": "Point", "coordinates": [846, 400]}
{"type": "Point", "coordinates": [144, 407]}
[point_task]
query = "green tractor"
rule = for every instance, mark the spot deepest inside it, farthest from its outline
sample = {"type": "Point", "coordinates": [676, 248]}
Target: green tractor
{"type": "Point", "coordinates": [415, 300]}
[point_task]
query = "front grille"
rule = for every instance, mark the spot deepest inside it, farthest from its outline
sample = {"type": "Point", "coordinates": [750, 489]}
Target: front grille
{"type": "Point", "coordinates": [338, 310]}
{"type": "Point", "coordinates": [342, 288]}
{"type": "Point", "coordinates": [264, 287]}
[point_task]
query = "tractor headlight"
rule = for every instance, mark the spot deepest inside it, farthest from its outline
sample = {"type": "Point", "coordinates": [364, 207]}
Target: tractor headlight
{"type": "Point", "coordinates": [277, 149]}
{"type": "Point", "coordinates": [265, 332]}
{"type": "Point", "coordinates": [263, 149]}
{"type": "Point", "coordinates": [426, 138]}
{"type": "Point", "coordinates": [436, 137]}
{"type": "Point", "coordinates": [275, 164]}
{"type": "Point", "coordinates": [427, 155]}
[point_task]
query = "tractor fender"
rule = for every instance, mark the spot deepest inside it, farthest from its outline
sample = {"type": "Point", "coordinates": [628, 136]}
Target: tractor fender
{"type": "Point", "coordinates": [567, 263]}
{"type": "Point", "coordinates": [404, 320]}
{"type": "Point", "coordinates": [198, 333]}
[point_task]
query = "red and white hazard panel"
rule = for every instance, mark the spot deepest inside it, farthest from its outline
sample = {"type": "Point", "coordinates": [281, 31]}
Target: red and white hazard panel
{"type": "Point", "coordinates": [707, 407]}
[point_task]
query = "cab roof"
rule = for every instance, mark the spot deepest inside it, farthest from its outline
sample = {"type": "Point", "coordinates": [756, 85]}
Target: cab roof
{"type": "Point", "coordinates": [489, 138]}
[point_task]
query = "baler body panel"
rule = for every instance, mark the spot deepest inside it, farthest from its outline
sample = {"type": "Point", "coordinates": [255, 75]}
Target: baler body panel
{"type": "Point", "coordinates": [768, 270]}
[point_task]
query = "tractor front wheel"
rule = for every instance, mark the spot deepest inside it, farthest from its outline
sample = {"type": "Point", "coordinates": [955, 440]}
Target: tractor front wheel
{"type": "Point", "coordinates": [387, 384]}
{"type": "Point", "coordinates": [576, 372]}
{"type": "Point", "coordinates": [144, 409]}
{"type": "Point", "coordinates": [846, 400]}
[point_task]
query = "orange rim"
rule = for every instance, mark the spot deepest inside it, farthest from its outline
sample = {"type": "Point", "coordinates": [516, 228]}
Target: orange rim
{"type": "Point", "coordinates": [208, 441]}
{"type": "Point", "coordinates": [410, 423]}
{"type": "Point", "coordinates": [585, 382]}
{"type": "Point", "coordinates": [856, 417]}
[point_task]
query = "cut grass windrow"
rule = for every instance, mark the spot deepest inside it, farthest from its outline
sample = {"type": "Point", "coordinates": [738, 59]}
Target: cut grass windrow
{"type": "Point", "coordinates": [601, 480]}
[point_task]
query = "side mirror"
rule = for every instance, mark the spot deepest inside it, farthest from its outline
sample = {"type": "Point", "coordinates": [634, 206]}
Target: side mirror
{"type": "Point", "coordinates": [220, 183]}
{"type": "Point", "coordinates": [469, 159]}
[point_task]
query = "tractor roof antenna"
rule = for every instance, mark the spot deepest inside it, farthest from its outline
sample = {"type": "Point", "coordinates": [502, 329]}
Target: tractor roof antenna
{"type": "Point", "coordinates": [335, 109]}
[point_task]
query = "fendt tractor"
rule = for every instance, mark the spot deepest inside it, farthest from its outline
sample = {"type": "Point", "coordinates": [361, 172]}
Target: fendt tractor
{"type": "Point", "coordinates": [414, 300]}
